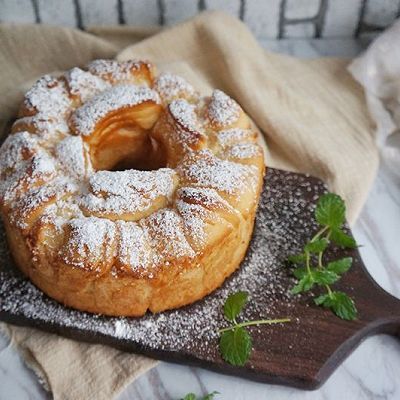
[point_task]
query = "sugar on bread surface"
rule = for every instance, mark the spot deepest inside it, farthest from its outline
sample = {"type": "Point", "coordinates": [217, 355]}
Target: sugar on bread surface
{"type": "Point", "coordinates": [122, 191]}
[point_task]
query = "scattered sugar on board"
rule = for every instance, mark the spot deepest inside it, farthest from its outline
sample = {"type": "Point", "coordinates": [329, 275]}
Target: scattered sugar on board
{"type": "Point", "coordinates": [283, 221]}
{"type": "Point", "coordinates": [86, 117]}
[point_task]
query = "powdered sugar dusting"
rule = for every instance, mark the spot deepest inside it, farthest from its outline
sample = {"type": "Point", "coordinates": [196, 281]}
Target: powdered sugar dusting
{"type": "Point", "coordinates": [198, 206]}
{"type": "Point", "coordinates": [38, 197]}
{"type": "Point", "coordinates": [234, 135]}
{"type": "Point", "coordinates": [204, 169]}
{"type": "Point", "coordinates": [123, 71]}
{"type": "Point", "coordinates": [194, 219]}
{"type": "Point", "coordinates": [223, 110]}
{"type": "Point", "coordinates": [89, 238]}
{"type": "Point", "coordinates": [16, 149]}
{"type": "Point", "coordinates": [60, 212]}
{"type": "Point", "coordinates": [245, 150]}
{"type": "Point", "coordinates": [43, 165]}
{"type": "Point", "coordinates": [86, 117]}
{"type": "Point", "coordinates": [207, 197]}
{"type": "Point", "coordinates": [171, 86]}
{"type": "Point", "coordinates": [45, 127]}
{"type": "Point", "coordinates": [84, 84]}
{"type": "Point", "coordinates": [184, 113]}
{"type": "Point", "coordinates": [165, 230]}
{"type": "Point", "coordinates": [22, 162]}
{"type": "Point", "coordinates": [72, 154]}
{"type": "Point", "coordinates": [133, 246]}
{"type": "Point", "coordinates": [48, 96]}
{"type": "Point", "coordinates": [129, 191]}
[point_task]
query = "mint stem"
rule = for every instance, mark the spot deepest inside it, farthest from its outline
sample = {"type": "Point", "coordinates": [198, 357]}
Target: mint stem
{"type": "Point", "coordinates": [308, 262]}
{"type": "Point", "coordinates": [319, 233]}
{"type": "Point", "coordinates": [258, 322]}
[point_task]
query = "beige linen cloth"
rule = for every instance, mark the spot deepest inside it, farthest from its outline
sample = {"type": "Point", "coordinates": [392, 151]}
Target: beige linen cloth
{"type": "Point", "coordinates": [312, 114]}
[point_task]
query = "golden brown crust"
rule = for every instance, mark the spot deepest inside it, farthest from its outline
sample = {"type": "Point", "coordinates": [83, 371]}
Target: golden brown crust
{"type": "Point", "coordinates": [123, 192]}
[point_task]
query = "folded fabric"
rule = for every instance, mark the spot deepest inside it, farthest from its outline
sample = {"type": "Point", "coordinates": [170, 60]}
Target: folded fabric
{"type": "Point", "coordinates": [378, 70]}
{"type": "Point", "coordinates": [312, 114]}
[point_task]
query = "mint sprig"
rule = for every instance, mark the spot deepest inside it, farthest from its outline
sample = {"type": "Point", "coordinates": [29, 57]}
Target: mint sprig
{"type": "Point", "coordinates": [192, 396]}
{"type": "Point", "coordinates": [310, 269]}
{"type": "Point", "coordinates": [235, 341]}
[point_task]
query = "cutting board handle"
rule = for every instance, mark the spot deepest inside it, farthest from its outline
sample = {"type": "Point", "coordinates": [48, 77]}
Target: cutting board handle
{"type": "Point", "coordinates": [383, 309]}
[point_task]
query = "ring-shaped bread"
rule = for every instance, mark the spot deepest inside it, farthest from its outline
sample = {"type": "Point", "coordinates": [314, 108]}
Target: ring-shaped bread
{"type": "Point", "coordinates": [122, 191]}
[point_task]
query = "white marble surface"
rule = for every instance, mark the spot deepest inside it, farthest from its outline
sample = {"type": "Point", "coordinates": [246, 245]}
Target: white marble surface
{"type": "Point", "coordinates": [371, 372]}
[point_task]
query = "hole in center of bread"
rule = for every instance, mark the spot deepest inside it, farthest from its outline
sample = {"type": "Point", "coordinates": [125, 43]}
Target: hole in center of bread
{"type": "Point", "coordinates": [127, 149]}
{"type": "Point", "coordinates": [122, 143]}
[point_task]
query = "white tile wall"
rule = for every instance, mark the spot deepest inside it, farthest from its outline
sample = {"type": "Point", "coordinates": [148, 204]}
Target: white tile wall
{"type": "Point", "coordinates": [381, 12]}
{"type": "Point", "coordinates": [296, 9]}
{"type": "Point", "coordinates": [179, 10]}
{"type": "Point", "coordinates": [305, 29]}
{"type": "Point", "coordinates": [342, 18]}
{"type": "Point", "coordinates": [262, 17]}
{"type": "Point", "coordinates": [99, 12]}
{"type": "Point", "coordinates": [16, 11]}
{"type": "Point", "coordinates": [50, 12]}
{"type": "Point", "coordinates": [141, 12]}
{"type": "Point", "coordinates": [231, 6]}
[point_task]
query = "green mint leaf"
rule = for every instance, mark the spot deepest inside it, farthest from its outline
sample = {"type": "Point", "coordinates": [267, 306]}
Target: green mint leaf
{"type": "Point", "coordinates": [340, 303]}
{"type": "Point", "coordinates": [340, 266]}
{"type": "Point", "coordinates": [343, 306]}
{"type": "Point", "coordinates": [235, 346]}
{"type": "Point", "coordinates": [325, 277]}
{"type": "Point", "coordinates": [321, 300]}
{"type": "Point", "coordinates": [317, 246]}
{"type": "Point", "coordinates": [299, 272]}
{"type": "Point", "coordinates": [234, 305]}
{"type": "Point", "coordinates": [342, 239]}
{"type": "Point", "coordinates": [190, 396]}
{"type": "Point", "coordinates": [330, 210]}
{"type": "Point", "coordinates": [304, 284]}
{"type": "Point", "coordinates": [297, 258]}
{"type": "Point", "coordinates": [210, 396]}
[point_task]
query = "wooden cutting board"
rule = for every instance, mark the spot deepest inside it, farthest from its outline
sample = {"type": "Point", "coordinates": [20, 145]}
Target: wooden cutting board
{"type": "Point", "coordinates": [302, 353]}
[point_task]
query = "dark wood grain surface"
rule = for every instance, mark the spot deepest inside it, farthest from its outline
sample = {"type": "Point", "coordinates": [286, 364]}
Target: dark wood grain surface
{"type": "Point", "coordinates": [302, 353]}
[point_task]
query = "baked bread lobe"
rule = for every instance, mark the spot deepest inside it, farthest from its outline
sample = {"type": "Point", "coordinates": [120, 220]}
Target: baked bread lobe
{"type": "Point", "coordinates": [122, 191]}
